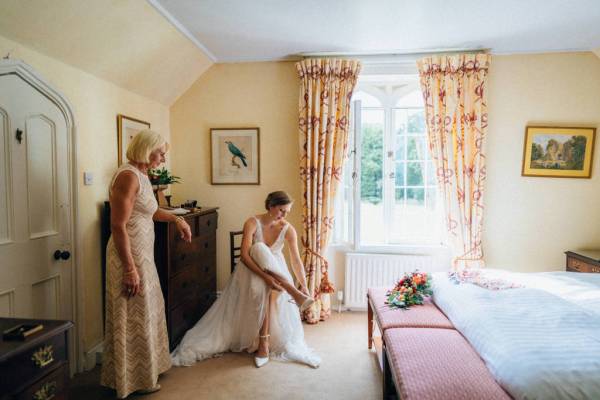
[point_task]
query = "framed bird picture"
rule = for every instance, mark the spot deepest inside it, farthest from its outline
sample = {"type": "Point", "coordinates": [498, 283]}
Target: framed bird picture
{"type": "Point", "coordinates": [234, 154]}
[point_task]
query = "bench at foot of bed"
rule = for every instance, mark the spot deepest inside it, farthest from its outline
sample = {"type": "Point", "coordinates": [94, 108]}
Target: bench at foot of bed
{"type": "Point", "coordinates": [432, 364]}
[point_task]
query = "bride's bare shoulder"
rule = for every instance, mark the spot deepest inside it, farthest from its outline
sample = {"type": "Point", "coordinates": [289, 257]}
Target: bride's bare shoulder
{"type": "Point", "coordinates": [250, 223]}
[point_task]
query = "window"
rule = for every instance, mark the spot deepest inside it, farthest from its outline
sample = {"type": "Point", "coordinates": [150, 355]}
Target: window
{"type": "Point", "coordinates": [389, 195]}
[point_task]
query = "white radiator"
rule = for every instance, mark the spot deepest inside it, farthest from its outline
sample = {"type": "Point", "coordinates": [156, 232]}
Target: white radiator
{"type": "Point", "coordinates": [372, 270]}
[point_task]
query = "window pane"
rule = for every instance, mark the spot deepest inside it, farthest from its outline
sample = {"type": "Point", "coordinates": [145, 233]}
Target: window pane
{"type": "Point", "coordinates": [372, 156]}
{"type": "Point", "coordinates": [399, 118]}
{"type": "Point", "coordinates": [414, 173]}
{"type": "Point", "coordinates": [415, 197]}
{"type": "Point", "coordinates": [366, 99]}
{"type": "Point", "coordinates": [371, 223]}
{"type": "Point", "coordinates": [371, 175]}
{"type": "Point", "coordinates": [400, 181]}
{"type": "Point", "coordinates": [400, 196]}
{"type": "Point", "coordinates": [431, 176]}
{"type": "Point", "coordinates": [415, 147]}
{"type": "Point", "coordinates": [400, 150]}
{"type": "Point", "coordinates": [416, 121]}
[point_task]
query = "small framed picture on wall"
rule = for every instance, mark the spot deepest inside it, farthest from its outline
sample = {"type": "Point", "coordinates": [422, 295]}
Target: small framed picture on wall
{"type": "Point", "coordinates": [234, 154]}
{"type": "Point", "coordinates": [558, 152]}
{"type": "Point", "coordinates": [127, 128]}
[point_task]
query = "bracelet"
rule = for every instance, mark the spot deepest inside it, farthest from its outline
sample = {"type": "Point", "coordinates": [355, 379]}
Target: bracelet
{"type": "Point", "coordinates": [129, 272]}
{"type": "Point", "coordinates": [178, 218]}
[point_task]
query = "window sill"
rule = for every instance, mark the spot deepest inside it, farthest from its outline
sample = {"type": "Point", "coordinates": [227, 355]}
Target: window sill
{"type": "Point", "coordinates": [412, 249]}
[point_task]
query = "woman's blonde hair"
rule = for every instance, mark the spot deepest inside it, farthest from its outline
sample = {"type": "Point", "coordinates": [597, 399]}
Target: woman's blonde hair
{"type": "Point", "coordinates": [144, 143]}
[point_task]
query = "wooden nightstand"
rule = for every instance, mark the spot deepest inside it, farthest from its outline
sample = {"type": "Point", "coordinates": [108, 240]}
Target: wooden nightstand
{"type": "Point", "coordinates": [583, 261]}
{"type": "Point", "coordinates": [37, 367]}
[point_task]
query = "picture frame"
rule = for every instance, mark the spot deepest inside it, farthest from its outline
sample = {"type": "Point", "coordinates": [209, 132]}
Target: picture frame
{"type": "Point", "coordinates": [558, 152]}
{"type": "Point", "coordinates": [127, 128]}
{"type": "Point", "coordinates": [235, 156]}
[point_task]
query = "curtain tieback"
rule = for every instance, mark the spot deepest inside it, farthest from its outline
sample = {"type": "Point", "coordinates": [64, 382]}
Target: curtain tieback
{"type": "Point", "coordinates": [325, 286]}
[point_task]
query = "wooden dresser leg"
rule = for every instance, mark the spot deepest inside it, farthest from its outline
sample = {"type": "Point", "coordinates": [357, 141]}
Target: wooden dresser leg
{"type": "Point", "coordinates": [370, 323]}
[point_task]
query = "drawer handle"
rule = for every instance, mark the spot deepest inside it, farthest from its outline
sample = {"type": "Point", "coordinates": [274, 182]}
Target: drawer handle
{"type": "Point", "coordinates": [206, 245]}
{"type": "Point", "coordinates": [43, 356]}
{"type": "Point", "coordinates": [46, 392]}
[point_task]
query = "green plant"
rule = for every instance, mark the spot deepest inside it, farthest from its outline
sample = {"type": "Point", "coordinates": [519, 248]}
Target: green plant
{"type": "Point", "coordinates": [162, 177]}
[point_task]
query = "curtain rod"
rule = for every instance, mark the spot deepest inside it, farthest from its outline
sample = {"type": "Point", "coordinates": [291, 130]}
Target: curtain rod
{"type": "Point", "coordinates": [383, 56]}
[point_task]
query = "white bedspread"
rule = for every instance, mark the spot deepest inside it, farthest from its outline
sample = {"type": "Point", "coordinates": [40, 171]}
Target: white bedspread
{"type": "Point", "coordinates": [541, 341]}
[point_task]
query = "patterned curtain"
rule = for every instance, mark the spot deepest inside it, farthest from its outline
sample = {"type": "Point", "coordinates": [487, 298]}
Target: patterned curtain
{"type": "Point", "coordinates": [454, 90]}
{"type": "Point", "coordinates": [325, 92]}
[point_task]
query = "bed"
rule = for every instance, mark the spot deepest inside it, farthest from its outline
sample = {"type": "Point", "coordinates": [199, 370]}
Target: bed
{"type": "Point", "coordinates": [539, 341]}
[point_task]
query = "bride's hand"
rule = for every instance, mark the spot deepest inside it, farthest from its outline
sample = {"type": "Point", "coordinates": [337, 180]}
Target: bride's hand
{"type": "Point", "coordinates": [272, 283]}
{"type": "Point", "coordinates": [304, 290]}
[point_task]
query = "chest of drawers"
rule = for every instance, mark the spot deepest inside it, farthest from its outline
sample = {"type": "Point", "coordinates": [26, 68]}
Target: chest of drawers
{"type": "Point", "coordinates": [37, 367]}
{"type": "Point", "coordinates": [583, 261]}
{"type": "Point", "coordinates": [187, 271]}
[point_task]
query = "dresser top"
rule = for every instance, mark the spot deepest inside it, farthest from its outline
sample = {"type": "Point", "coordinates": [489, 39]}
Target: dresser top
{"type": "Point", "coordinates": [592, 255]}
{"type": "Point", "coordinates": [51, 329]}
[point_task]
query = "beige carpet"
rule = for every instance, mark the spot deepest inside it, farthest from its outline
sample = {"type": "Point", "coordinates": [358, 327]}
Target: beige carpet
{"type": "Point", "coordinates": [348, 371]}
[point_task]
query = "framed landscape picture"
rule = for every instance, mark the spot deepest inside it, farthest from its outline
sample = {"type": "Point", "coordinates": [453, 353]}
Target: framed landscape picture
{"type": "Point", "coordinates": [234, 154]}
{"type": "Point", "coordinates": [127, 128]}
{"type": "Point", "coordinates": [558, 152]}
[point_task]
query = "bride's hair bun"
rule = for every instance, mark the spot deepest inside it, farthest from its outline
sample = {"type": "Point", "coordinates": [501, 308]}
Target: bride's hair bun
{"type": "Point", "coordinates": [278, 198]}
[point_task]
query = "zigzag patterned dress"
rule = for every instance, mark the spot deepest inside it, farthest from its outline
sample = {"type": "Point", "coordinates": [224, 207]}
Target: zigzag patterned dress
{"type": "Point", "coordinates": [136, 346]}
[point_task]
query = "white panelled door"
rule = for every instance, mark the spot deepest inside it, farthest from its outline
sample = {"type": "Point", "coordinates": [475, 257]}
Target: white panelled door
{"type": "Point", "coordinates": [36, 265]}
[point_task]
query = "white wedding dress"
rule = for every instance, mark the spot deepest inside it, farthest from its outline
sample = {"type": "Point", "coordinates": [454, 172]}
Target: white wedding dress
{"type": "Point", "coordinates": [234, 320]}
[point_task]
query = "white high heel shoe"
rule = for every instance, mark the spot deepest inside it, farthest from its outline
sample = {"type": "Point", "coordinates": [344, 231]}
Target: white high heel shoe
{"type": "Point", "coordinates": [261, 361]}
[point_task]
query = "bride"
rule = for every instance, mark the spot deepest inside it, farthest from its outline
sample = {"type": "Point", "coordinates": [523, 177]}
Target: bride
{"type": "Point", "coordinates": [258, 309]}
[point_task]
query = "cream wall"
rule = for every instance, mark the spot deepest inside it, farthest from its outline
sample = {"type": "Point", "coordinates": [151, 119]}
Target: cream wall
{"type": "Point", "coordinates": [95, 104]}
{"type": "Point", "coordinates": [530, 222]}
{"type": "Point", "coordinates": [263, 95]}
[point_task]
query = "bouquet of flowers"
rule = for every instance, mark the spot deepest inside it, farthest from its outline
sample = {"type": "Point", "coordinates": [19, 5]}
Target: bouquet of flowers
{"type": "Point", "coordinates": [410, 290]}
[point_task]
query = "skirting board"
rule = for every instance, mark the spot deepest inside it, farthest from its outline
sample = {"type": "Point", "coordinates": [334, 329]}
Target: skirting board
{"type": "Point", "coordinates": [93, 357]}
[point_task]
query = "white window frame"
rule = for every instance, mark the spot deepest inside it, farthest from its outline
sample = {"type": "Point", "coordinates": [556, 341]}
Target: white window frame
{"type": "Point", "coordinates": [388, 101]}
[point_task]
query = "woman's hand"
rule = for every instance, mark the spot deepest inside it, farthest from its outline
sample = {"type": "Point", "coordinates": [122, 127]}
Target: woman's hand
{"type": "Point", "coordinates": [272, 283]}
{"type": "Point", "coordinates": [184, 229]}
{"type": "Point", "coordinates": [131, 282]}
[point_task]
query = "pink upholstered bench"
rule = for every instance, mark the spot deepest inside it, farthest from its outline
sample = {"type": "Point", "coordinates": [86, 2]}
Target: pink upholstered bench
{"type": "Point", "coordinates": [424, 316]}
{"type": "Point", "coordinates": [431, 364]}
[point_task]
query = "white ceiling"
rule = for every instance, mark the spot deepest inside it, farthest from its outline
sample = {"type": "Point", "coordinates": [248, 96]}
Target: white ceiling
{"type": "Point", "coordinates": [260, 30]}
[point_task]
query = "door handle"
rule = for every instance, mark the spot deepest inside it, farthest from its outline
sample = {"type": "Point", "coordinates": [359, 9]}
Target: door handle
{"type": "Point", "coordinates": [65, 255]}
{"type": "Point", "coordinates": [19, 136]}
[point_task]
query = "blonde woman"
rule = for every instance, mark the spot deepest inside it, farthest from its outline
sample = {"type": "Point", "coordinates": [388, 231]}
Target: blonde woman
{"type": "Point", "coordinates": [136, 346]}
